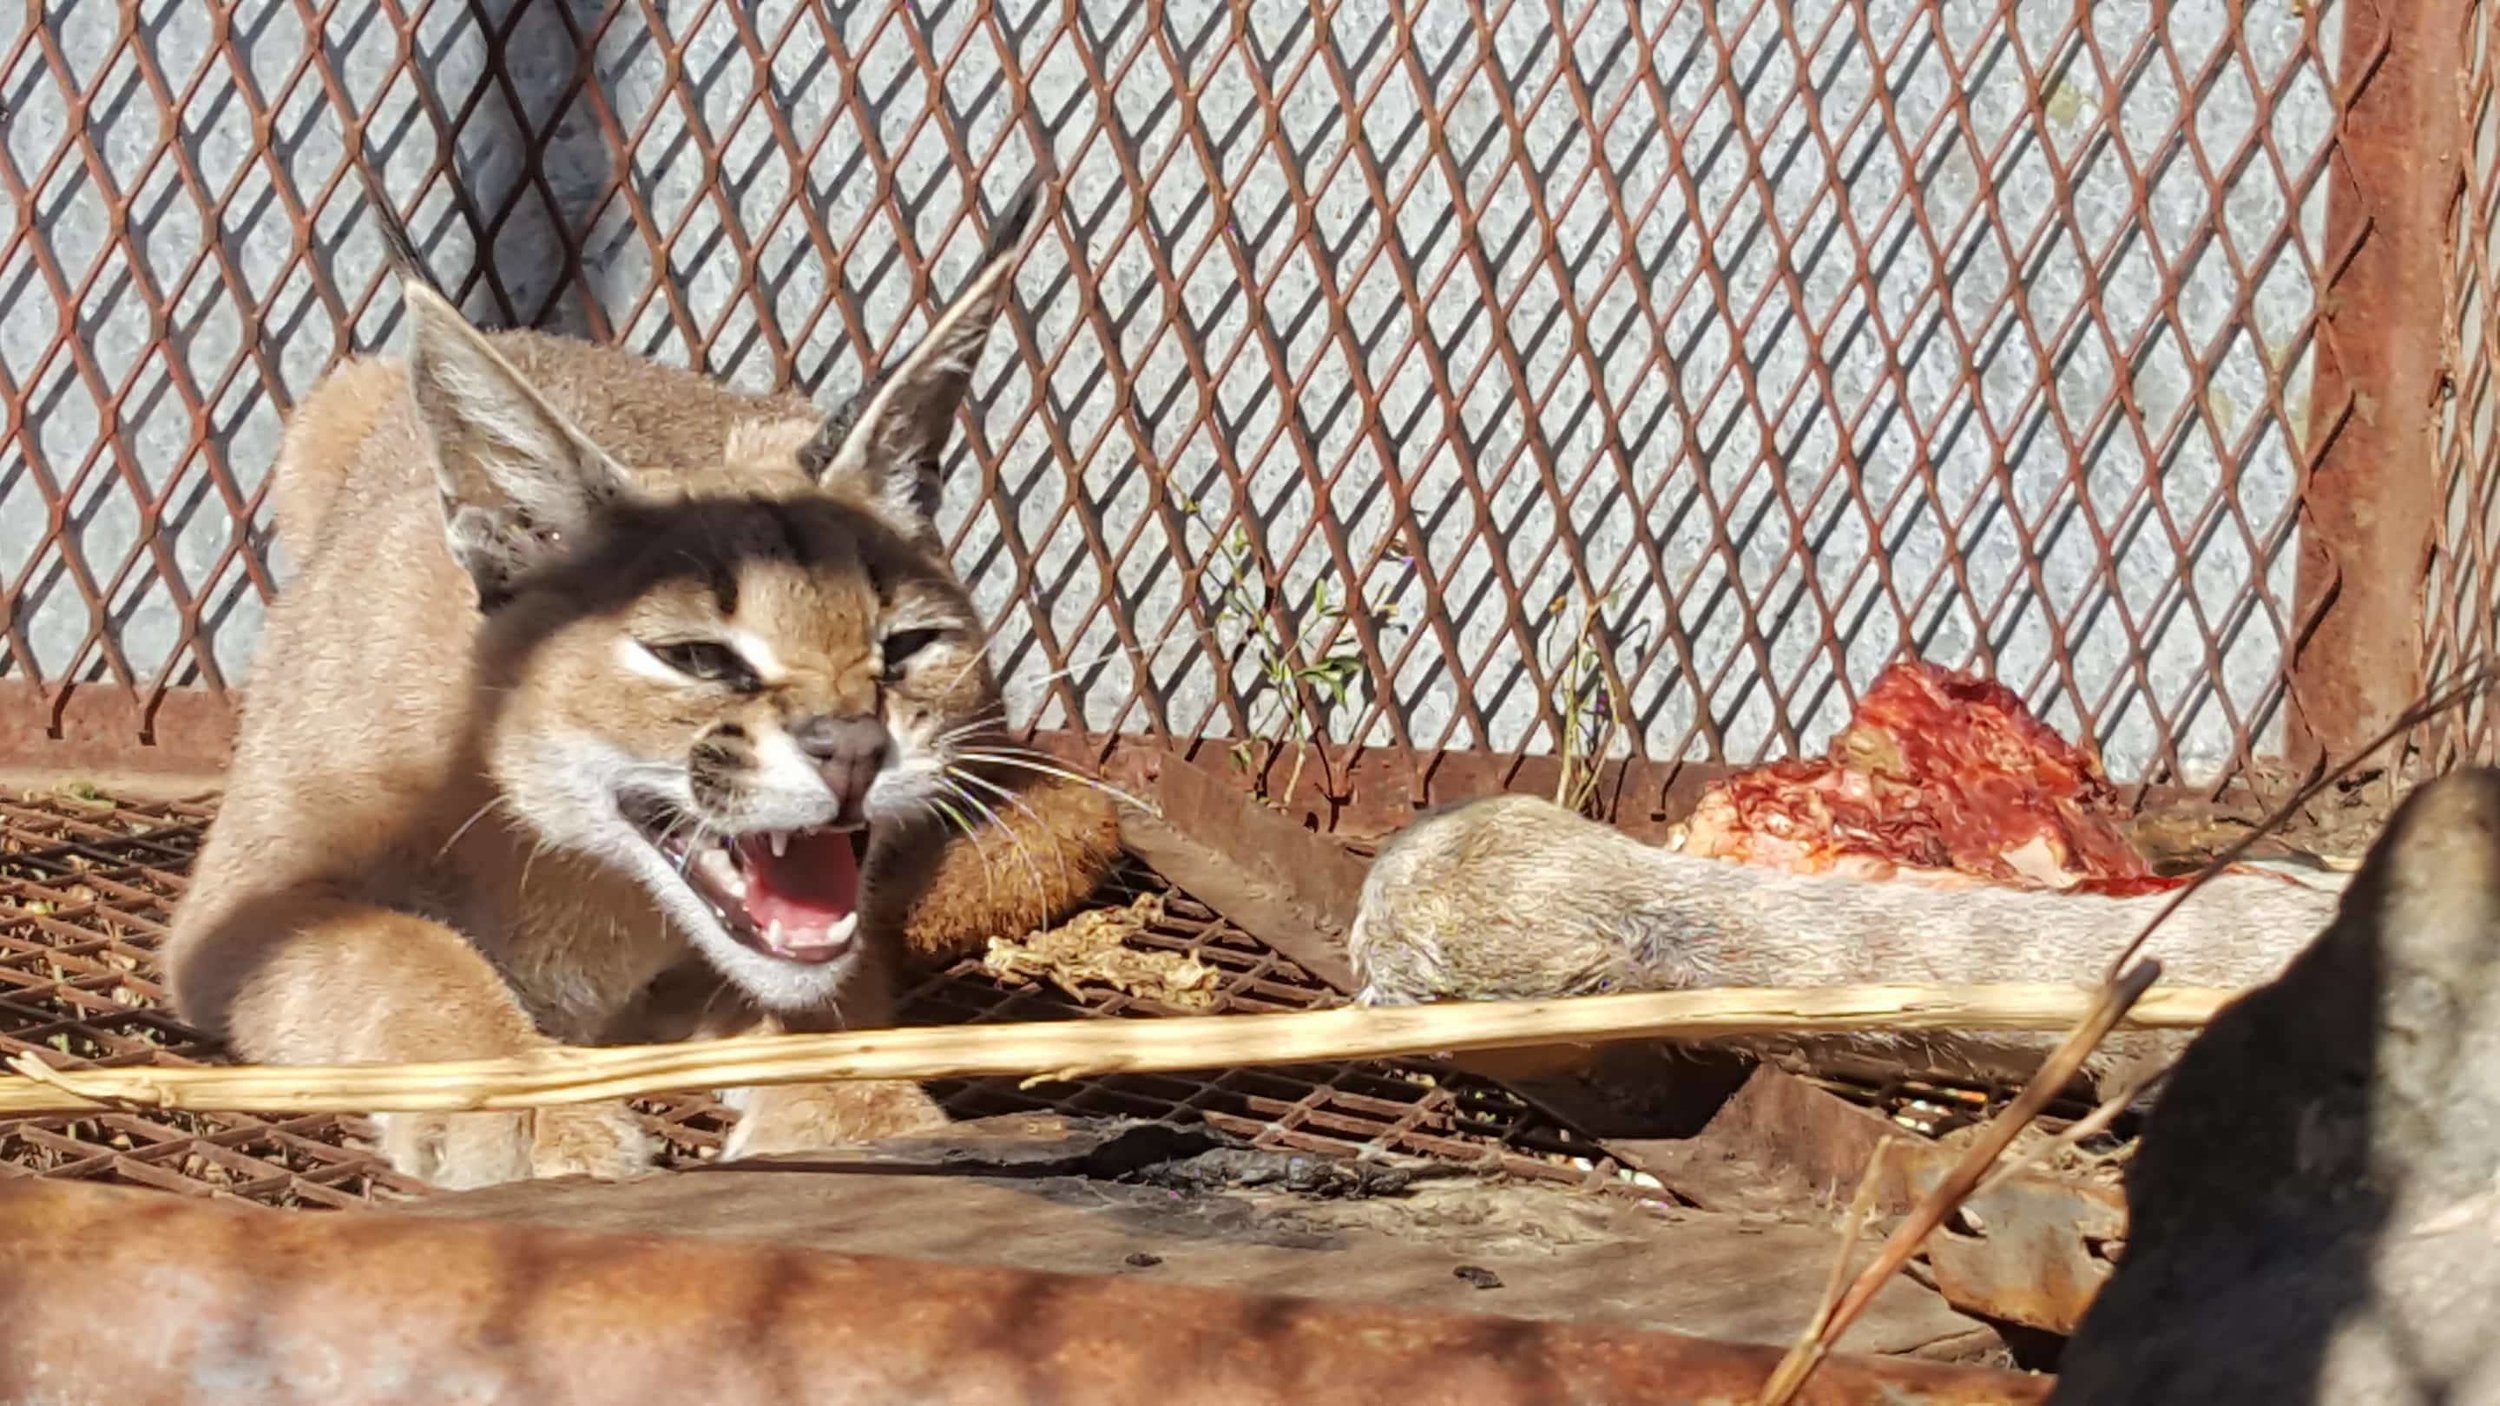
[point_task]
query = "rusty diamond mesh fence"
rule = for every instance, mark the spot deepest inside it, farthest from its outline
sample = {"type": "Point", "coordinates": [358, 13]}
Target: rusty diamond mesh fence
{"type": "Point", "coordinates": [2462, 591]}
{"type": "Point", "coordinates": [1444, 375]}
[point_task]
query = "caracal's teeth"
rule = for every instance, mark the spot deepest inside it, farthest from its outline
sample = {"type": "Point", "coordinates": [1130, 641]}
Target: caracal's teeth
{"type": "Point", "coordinates": [717, 868]}
{"type": "Point", "coordinates": [780, 840]}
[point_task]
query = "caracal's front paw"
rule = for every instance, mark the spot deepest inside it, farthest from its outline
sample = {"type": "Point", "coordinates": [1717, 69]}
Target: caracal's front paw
{"type": "Point", "coordinates": [812, 1117]}
{"type": "Point", "coordinates": [601, 1140]}
{"type": "Point", "coordinates": [456, 1151]}
{"type": "Point", "coordinates": [463, 1151]}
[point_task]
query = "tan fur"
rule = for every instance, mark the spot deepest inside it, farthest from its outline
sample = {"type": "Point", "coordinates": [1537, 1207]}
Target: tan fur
{"type": "Point", "coordinates": [1513, 897]}
{"type": "Point", "coordinates": [1065, 840]}
{"type": "Point", "coordinates": [415, 858]}
{"type": "Point", "coordinates": [321, 441]}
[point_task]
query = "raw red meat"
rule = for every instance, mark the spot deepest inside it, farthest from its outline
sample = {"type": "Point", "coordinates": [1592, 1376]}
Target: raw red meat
{"type": "Point", "coordinates": [1938, 775]}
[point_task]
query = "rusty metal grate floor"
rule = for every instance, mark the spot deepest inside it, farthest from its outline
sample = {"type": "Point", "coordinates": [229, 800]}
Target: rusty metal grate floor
{"type": "Point", "coordinates": [87, 882]}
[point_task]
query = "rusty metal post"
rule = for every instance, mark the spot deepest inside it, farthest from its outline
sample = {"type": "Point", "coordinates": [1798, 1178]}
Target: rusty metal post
{"type": "Point", "coordinates": [113, 1295]}
{"type": "Point", "coordinates": [2371, 499]}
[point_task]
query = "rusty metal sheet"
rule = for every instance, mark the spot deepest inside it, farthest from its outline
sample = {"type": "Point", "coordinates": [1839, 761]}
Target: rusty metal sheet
{"type": "Point", "coordinates": [1820, 1142]}
{"type": "Point", "coordinates": [2034, 1251]}
{"type": "Point", "coordinates": [1290, 888]}
{"type": "Point", "coordinates": [117, 1296]}
{"type": "Point", "coordinates": [108, 730]}
{"type": "Point", "coordinates": [1160, 1204]}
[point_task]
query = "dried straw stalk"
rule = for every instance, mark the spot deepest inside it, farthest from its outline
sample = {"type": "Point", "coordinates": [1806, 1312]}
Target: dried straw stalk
{"type": "Point", "coordinates": [1068, 1049]}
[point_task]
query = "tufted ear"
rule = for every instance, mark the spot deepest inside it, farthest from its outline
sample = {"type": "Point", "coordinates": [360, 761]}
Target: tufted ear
{"type": "Point", "coordinates": [885, 446]}
{"type": "Point", "coordinates": [519, 480]}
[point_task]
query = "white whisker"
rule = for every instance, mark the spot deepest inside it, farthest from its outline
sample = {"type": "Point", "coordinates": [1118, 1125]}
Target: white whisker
{"type": "Point", "coordinates": [1041, 762]}
{"type": "Point", "coordinates": [1040, 825]}
{"type": "Point", "coordinates": [989, 885]}
{"type": "Point", "coordinates": [1040, 892]}
{"type": "Point", "coordinates": [478, 815]}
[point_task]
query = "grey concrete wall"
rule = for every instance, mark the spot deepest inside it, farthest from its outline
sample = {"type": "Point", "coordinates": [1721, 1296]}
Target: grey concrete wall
{"type": "Point", "coordinates": [1889, 354]}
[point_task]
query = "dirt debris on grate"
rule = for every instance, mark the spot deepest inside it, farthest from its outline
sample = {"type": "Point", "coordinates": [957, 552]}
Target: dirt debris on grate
{"type": "Point", "coordinates": [1102, 946]}
{"type": "Point", "coordinates": [87, 884]}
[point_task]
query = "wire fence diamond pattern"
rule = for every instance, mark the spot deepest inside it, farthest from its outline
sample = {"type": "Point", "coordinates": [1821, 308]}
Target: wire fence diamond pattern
{"type": "Point", "coordinates": [1440, 375]}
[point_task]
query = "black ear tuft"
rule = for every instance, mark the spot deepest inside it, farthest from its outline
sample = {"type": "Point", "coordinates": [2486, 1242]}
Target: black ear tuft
{"type": "Point", "coordinates": [407, 262]}
{"type": "Point", "coordinates": [1014, 220]}
{"type": "Point", "coordinates": [885, 446]}
{"type": "Point", "coordinates": [817, 455]}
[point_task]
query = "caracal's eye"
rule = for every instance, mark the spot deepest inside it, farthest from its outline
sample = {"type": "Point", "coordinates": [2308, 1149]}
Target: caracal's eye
{"type": "Point", "coordinates": [899, 647]}
{"type": "Point", "coordinates": [705, 661]}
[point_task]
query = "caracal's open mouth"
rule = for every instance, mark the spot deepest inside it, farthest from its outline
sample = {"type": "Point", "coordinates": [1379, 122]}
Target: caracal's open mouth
{"type": "Point", "coordinates": [792, 894]}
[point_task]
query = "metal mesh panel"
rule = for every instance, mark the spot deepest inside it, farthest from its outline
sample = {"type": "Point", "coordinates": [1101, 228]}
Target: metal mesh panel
{"type": "Point", "coordinates": [83, 892]}
{"type": "Point", "coordinates": [1371, 352]}
{"type": "Point", "coordinates": [2462, 598]}
{"type": "Point", "coordinates": [85, 887]}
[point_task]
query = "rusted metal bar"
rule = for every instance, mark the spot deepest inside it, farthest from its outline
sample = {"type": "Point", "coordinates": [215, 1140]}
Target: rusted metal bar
{"type": "Point", "coordinates": [123, 1296]}
{"type": "Point", "coordinates": [2370, 503]}
{"type": "Point", "coordinates": [107, 730]}
{"type": "Point", "coordinates": [114, 730]}
{"type": "Point", "coordinates": [188, 738]}
{"type": "Point", "coordinates": [1290, 888]}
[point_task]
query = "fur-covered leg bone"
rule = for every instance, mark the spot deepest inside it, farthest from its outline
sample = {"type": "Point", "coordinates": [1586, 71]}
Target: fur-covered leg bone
{"type": "Point", "coordinates": [1515, 898]}
{"type": "Point", "coordinates": [787, 1118]}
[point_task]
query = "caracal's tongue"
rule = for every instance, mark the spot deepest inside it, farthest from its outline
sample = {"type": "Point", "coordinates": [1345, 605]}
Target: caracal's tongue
{"type": "Point", "coordinates": [807, 892]}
